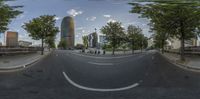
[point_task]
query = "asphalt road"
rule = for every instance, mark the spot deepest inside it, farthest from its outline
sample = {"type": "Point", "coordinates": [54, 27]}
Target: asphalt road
{"type": "Point", "coordinates": [63, 75]}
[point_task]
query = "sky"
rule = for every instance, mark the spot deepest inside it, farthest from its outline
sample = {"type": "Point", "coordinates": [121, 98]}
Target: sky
{"type": "Point", "coordinates": [88, 15]}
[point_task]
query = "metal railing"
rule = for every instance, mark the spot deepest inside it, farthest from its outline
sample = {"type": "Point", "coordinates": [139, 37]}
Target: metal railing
{"type": "Point", "coordinates": [192, 50]}
{"type": "Point", "coordinates": [10, 51]}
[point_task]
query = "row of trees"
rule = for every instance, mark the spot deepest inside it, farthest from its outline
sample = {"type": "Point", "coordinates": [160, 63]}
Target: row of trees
{"type": "Point", "coordinates": [42, 28]}
{"type": "Point", "coordinates": [85, 41]}
{"type": "Point", "coordinates": [7, 13]}
{"type": "Point", "coordinates": [118, 37]}
{"type": "Point", "coordinates": [171, 19]}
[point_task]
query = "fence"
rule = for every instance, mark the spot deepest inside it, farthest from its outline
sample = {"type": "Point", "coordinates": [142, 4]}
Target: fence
{"type": "Point", "coordinates": [11, 51]}
{"type": "Point", "coordinates": [192, 50]}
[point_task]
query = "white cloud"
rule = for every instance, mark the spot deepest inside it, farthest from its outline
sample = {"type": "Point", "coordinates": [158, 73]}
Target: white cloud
{"type": "Point", "coordinates": [111, 20]}
{"type": "Point", "coordinates": [107, 16]}
{"type": "Point", "coordinates": [83, 31]}
{"type": "Point", "coordinates": [74, 12]}
{"type": "Point", "coordinates": [93, 18]}
{"type": "Point", "coordinates": [77, 36]}
{"type": "Point", "coordinates": [80, 28]}
{"type": "Point", "coordinates": [21, 16]}
{"type": "Point", "coordinates": [57, 18]}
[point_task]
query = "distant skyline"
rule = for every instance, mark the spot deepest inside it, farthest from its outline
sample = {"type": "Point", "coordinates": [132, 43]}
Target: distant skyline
{"type": "Point", "coordinates": [88, 15]}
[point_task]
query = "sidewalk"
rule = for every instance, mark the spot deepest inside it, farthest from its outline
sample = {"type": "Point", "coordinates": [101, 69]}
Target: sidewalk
{"type": "Point", "coordinates": [191, 63]}
{"type": "Point", "coordinates": [19, 61]}
{"type": "Point", "coordinates": [109, 53]}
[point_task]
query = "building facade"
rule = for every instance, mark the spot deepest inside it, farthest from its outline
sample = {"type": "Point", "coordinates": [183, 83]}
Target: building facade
{"type": "Point", "coordinates": [176, 44]}
{"type": "Point", "coordinates": [11, 39]}
{"type": "Point", "coordinates": [198, 43]}
{"type": "Point", "coordinates": [150, 42]}
{"type": "Point", "coordinates": [93, 40]}
{"type": "Point", "coordinates": [67, 31]}
{"type": "Point", "coordinates": [102, 41]}
{"type": "Point", "coordinates": [24, 43]}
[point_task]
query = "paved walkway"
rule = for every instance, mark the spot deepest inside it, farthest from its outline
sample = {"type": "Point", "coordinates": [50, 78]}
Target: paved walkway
{"type": "Point", "coordinates": [19, 61]}
{"type": "Point", "coordinates": [108, 53]}
{"type": "Point", "coordinates": [192, 62]}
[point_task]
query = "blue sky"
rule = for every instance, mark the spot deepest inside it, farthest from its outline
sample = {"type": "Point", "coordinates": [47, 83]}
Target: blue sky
{"type": "Point", "coordinates": [88, 14]}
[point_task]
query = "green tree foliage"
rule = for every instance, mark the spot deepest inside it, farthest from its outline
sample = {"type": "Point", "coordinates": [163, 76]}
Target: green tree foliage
{"type": "Point", "coordinates": [50, 41]}
{"type": "Point", "coordinates": [160, 40]}
{"type": "Point", "coordinates": [42, 28]}
{"type": "Point", "coordinates": [133, 34]}
{"type": "Point", "coordinates": [62, 44]}
{"type": "Point", "coordinates": [114, 33]}
{"type": "Point", "coordinates": [7, 13]}
{"type": "Point", "coordinates": [85, 41]}
{"type": "Point", "coordinates": [177, 18]}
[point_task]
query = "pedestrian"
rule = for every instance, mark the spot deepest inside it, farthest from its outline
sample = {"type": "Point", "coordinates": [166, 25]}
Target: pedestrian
{"type": "Point", "coordinates": [95, 52]}
{"type": "Point", "coordinates": [99, 52]}
{"type": "Point", "coordinates": [104, 52]}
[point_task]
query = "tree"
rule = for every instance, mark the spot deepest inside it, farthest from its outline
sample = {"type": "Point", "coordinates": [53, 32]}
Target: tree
{"type": "Point", "coordinates": [7, 13]}
{"type": "Point", "coordinates": [133, 34]}
{"type": "Point", "coordinates": [42, 28]}
{"type": "Point", "coordinates": [160, 40]}
{"type": "Point", "coordinates": [124, 45]}
{"type": "Point", "coordinates": [177, 18]}
{"type": "Point", "coordinates": [62, 44]}
{"type": "Point", "coordinates": [141, 41]}
{"type": "Point", "coordinates": [50, 41]}
{"type": "Point", "coordinates": [114, 33]}
{"type": "Point", "coordinates": [85, 41]}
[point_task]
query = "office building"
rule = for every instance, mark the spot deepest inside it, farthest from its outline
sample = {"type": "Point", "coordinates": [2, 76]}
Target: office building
{"type": "Point", "coordinates": [150, 42]}
{"type": "Point", "coordinates": [93, 40]}
{"type": "Point", "coordinates": [24, 43]}
{"type": "Point", "coordinates": [67, 31]}
{"type": "Point", "coordinates": [102, 41]}
{"type": "Point", "coordinates": [176, 44]}
{"type": "Point", "coordinates": [11, 39]}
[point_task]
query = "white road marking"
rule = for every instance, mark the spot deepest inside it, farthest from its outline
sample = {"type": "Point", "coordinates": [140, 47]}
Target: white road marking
{"type": "Point", "coordinates": [98, 89]}
{"type": "Point", "coordinates": [100, 63]}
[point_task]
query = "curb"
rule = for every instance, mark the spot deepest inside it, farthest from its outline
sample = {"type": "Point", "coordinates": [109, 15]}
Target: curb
{"type": "Point", "coordinates": [185, 67]}
{"type": "Point", "coordinates": [26, 64]}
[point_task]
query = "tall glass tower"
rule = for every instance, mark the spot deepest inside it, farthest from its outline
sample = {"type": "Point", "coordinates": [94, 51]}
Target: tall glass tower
{"type": "Point", "coordinates": [67, 31]}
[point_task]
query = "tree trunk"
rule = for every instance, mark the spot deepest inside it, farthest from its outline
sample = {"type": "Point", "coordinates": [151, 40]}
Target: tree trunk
{"type": "Point", "coordinates": [132, 47]}
{"type": "Point", "coordinates": [162, 50]}
{"type": "Point", "coordinates": [113, 51]}
{"type": "Point", "coordinates": [42, 49]}
{"type": "Point", "coordinates": [182, 42]}
{"type": "Point", "coordinates": [142, 47]}
{"type": "Point", "coordinates": [162, 47]}
{"type": "Point", "coordinates": [182, 48]}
